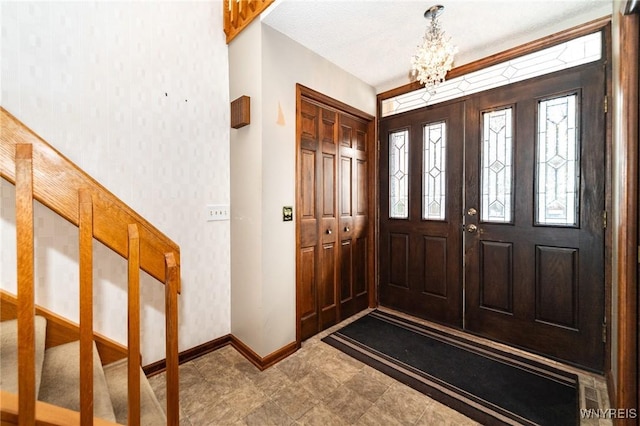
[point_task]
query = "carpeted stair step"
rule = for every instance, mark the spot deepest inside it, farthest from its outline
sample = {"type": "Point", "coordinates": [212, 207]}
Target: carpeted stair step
{"type": "Point", "coordinates": [151, 412]}
{"type": "Point", "coordinates": [9, 353]}
{"type": "Point", "coordinates": [61, 380]}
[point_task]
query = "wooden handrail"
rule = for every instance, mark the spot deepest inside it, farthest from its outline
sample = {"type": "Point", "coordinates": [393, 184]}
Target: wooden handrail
{"type": "Point", "coordinates": [42, 173]}
{"type": "Point", "coordinates": [56, 185]}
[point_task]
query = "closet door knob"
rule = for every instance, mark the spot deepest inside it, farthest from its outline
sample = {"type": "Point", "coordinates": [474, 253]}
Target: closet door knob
{"type": "Point", "coordinates": [346, 229]}
{"type": "Point", "coordinates": [328, 231]}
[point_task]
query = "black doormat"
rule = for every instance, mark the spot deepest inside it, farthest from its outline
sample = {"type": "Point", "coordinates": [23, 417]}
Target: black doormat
{"type": "Point", "coordinates": [484, 383]}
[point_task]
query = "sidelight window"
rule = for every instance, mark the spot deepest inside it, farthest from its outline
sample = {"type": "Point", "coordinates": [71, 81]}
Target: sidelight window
{"type": "Point", "coordinates": [497, 172]}
{"type": "Point", "coordinates": [399, 174]}
{"type": "Point", "coordinates": [557, 168]}
{"type": "Point", "coordinates": [434, 165]}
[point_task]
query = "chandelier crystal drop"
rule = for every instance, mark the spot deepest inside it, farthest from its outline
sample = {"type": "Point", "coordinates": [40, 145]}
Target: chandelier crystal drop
{"type": "Point", "coordinates": [434, 56]}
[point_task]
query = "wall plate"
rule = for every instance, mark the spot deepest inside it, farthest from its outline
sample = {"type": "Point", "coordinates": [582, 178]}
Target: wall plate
{"type": "Point", "coordinates": [217, 212]}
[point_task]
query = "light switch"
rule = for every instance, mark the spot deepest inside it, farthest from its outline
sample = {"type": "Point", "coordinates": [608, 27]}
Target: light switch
{"type": "Point", "coordinates": [287, 214]}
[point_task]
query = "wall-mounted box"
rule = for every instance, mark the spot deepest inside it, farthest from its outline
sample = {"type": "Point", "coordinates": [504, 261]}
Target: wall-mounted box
{"type": "Point", "coordinates": [241, 112]}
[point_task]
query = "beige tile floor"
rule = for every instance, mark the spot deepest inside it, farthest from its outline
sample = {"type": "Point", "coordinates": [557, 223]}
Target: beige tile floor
{"type": "Point", "coordinates": [318, 385]}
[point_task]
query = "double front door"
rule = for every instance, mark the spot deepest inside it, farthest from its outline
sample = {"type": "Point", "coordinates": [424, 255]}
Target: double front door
{"type": "Point", "coordinates": [492, 214]}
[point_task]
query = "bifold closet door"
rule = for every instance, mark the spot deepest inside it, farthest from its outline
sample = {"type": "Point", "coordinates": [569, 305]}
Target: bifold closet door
{"type": "Point", "coordinates": [318, 246]}
{"type": "Point", "coordinates": [334, 249]}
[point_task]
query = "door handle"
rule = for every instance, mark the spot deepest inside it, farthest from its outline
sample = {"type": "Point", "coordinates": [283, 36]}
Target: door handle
{"type": "Point", "coordinates": [328, 231]}
{"type": "Point", "coordinates": [346, 229]}
{"type": "Point", "coordinates": [472, 228]}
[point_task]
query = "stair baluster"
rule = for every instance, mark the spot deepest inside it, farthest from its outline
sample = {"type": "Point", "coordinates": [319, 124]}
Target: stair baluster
{"type": "Point", "coordinates": [172, 288]}
{"type": "Point", "coordinates": [85, 225]}
{"type": "Point", "coordinates": [134, 326]}
{"type": "Point", "coordinates": [26, 303]}
{"type": "Point", "coordinates": [41, 173]}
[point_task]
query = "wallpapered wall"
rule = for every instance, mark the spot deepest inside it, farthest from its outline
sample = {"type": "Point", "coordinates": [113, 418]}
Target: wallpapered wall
{"type": "Point", "coordinates": [266, 65]}
{"type": "Point", "coordinates": [136, 94]}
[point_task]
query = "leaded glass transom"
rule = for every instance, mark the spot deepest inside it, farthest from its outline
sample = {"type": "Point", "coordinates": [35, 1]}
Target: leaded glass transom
{"type": "Point", "coordinates": [557, 168]}
{"type": "Point", "coordinates": [578, 51]}
{"type": "Point", "coordinates": [497, 160]}
{"type": "Point", "coordinates": [399, 174]}
{"type": "Point", "coordinates": [434, 168]}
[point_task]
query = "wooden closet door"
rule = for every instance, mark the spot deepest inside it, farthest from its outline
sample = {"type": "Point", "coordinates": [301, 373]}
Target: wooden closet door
{"type": "Point", "coordinates": [317, 205]}
{"type": "Point", "coordinates": [353, 207]}
{"type": "Point", "coordinates": [335, 247]}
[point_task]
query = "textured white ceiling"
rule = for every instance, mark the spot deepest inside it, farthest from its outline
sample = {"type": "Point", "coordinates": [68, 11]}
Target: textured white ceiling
{"type": "Point", "coordinates": [374, 39]}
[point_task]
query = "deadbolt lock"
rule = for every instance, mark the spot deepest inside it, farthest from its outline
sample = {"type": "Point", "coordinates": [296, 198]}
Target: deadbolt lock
{"type": "Point", "coordinates": [472, 212]}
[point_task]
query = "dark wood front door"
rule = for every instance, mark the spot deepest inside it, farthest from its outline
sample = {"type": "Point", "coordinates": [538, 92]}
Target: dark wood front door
{"type": "Point", "coordinates": [420, 205]}
{"type": "Point", "coordinates": [534, 264]}
{"type": "Point", "coordinates": [334, 264]}
{"type": "Point", "coordinates": [519, 242]}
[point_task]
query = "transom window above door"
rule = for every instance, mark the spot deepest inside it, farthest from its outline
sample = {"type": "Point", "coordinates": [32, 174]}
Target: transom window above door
{"type": "Point", "coordinates": [578, 51]}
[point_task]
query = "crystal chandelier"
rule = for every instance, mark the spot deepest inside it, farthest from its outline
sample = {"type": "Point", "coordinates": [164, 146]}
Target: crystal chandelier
{"type": "Point", "coordinates": [434, 56]}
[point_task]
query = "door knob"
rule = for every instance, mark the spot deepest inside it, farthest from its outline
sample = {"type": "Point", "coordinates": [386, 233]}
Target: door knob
{"type": "Point", "coordinates": [472, 228]}
{"type": "Point", "coordinates": [346, 229]}
{"type": "Point", "coordinates": [472, 212]}
{"type": "Point", "coordinates": [328, 231]}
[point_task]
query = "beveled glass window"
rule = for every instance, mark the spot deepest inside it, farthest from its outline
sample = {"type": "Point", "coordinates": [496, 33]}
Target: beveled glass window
{"type": "Point", "coordinates": [578, 51]}
{"type": "Point", "coordinates": [434, 167]}
{"type": "Point", "coordinates": [557, 168]}
{"type": "Point", "coordinates": [399, 174]}
{"type": "Point", "coordinates": [497, 160]}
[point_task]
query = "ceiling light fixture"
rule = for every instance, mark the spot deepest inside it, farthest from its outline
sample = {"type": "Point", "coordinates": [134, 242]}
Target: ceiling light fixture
{"type": "Point", "coordinates": [434, 57]}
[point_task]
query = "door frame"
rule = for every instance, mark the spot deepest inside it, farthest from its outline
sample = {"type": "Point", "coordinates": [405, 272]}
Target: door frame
{"type": "Point", "coordinates": [626, 394]}
{"type": "Point", "coordinates": [306, 92]}
{"type": "Point", "coordinates": [604, 25]}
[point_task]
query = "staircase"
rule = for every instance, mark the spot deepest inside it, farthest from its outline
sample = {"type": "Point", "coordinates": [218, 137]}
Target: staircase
{"type": "Point", "coordinates": [54, 372]}
{"type": "Point", "coordinates": [58, 377]}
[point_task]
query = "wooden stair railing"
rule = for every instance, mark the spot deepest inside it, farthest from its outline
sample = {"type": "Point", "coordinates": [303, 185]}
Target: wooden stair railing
{"type": "Point", "coordinates": [41, 173]}
{"type": "Point", "coordinates": [239, 13]}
